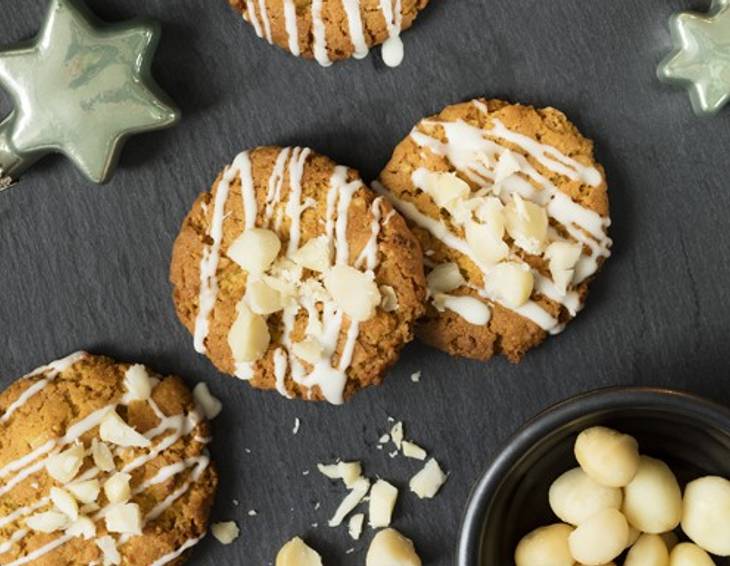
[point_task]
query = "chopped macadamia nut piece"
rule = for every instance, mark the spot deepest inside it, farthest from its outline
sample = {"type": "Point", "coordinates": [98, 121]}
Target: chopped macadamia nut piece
{"type": "Point", "coordinates": [445, 188]}
{"type": "Point", "coordinates": [600, 539]}
{"type": "Point", "coordinates": [491, 212]}
{"type": "Point", "coordinates": [249, 335]}
{"type": "Point", "coordinates": [124, 518]}
{"type": "Point", "coordinates": [117, 489]}
{"type": "Point", "coordinates": [355, 292]}
{"type": "Point", "coordinates": [426, 483]}
{"type": "Point", "coordinates": [108, 547]}
{"type": "Point", "coordinates": [359, 490]}
{"type": "Point", "coordinates": [485, 245]}
{"type": "Point", "coordinates": [47, 522]}
{"type": "Point", "coordinates": [396, 434]}
{"type": "Point", "coordinates": [653, 499]}
{"type": "Point", "coordinates": [64, 466]}
{"type": "Point", "coordinates": [225, 532]}
{"type": "Point", "coordinates": [82, 527]}
{"type": "Point", "coordinates": [546, 546]}
{"type": "Point", "coordinates": [210, 405]}
{"type": "Point", "coordinates": [262, 298]}
{"type": "Point", "coordinates": [355, 525]}
{"type": "Point", "coordinates": [574, 497]}
{"type": "Point", "coordinates": [444, 278]}
{"type": "Point", "coordinates": [314, 255]}
{"type": "Point", "coordinates": [471, 309]}
{"type": "Point", "coordinates": [562, 258]}
{"type": "Point", "coordinates": [309, 350]}
{"type": "Point", "coordinates": [85, 491]}
{"type": "Point", "coordinates": [297, 553]}
{"type": "Point", "coordinates": [382, 502]}
{"type": "Point", "coordinates": [137, 382]}
{"type": "Point", "coordinates": [65, 503]}
{"type": "Point", "coordinates": [511, 283]}
{"type": "Point", "coordinates": [348, 472]}
{"type": "Point", "coordinates": [255, 250]}
{"type": "Point", "coordinates": [706, 516]}
{"type": "Point", "coordinates": [113, 429]}
{"type": "Point", "coordinates": [506, 166]}
{"type": "Point", "coordinates": [413, 450]}
{"type": "Point", "coordinates": [390, 548]}
{"type": "Point", "coordinates": [608, 456]}
{"type": "Point", "coordinates": [648, 550]}
{"type": "Point", "coordinates": [102, 456]}
{"type": "Point", "coordinates": [389, 300]}
{"type": "Point", "coordinates": [527, 224]}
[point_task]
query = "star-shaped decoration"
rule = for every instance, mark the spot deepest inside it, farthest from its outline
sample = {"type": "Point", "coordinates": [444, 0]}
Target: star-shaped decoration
{"type": "Point", "coordinates": [701, 59]}
{"type": "Point", "coordinates": [80, 88]}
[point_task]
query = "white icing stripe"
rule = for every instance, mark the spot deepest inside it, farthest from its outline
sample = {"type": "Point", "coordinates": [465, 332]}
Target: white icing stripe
{"type": "Point", "coordinates": [369, 254]}
{"type": "Point", "coordinates": [253, 18]}
{"type": "Point", "coordinates": [343, 206]}
{"type": "Point", "coordinates": [276, 180]}
{"type": "Point", "coordinates": [319, 35]}
{"type": "Point", "coordinates": [15, 537]}
{"type": "Point", "coordinates": [393, 47]}
{"type": "Point", "coordinates": [23, 399]}
{"type": "Point", "coordinates": [294, 205]}
{"type": "Point", "coordinates": [242, 164]}
{"type": "Point", "coordinates": [292, 31]}
{"type": "Point", "coordinates": [43, 550]}
{"type": "Point", "coordinates": [280, 367]}
{"type": "Point", "coordinates": [265, 19]}
{"type": "Point", "coordinates": [177, 553]}
{"type": "Point", "coordinates": [356, 28]}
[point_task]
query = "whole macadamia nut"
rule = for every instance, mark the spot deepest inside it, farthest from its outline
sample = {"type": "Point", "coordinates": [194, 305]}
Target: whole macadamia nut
{"type": "Point", "coordinates": [574, 497]}
{"type": "Point", "coordinates": [599, 539]}
{"type": "Point", "coordinates": [390, 548]}
{"type": "Point", "coordinates": [546, 546]}
{"type": "Point", "coordinates": [607, 456]}
{"type": "Point", "coordinates": [648, 550]}
{"type": "Point", "coordinates": [653, 500]}
{"type": "Point", "coordinates": [688, 554]}
{"type": "Point", "coordinates": [706, 515]}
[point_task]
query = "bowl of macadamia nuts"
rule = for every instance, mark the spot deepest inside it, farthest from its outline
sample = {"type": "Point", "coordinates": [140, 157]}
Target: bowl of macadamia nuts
{"type": "Point", "coordinates": [621, 476]}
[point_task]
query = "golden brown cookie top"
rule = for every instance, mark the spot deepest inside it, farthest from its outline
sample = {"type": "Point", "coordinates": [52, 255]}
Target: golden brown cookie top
{"type": "Point", "coordinates": [293, 275]}
{"type": "Point", "coordinates": [511, 210]}
{"type": "Point", "coordinates": [330, 30]}
{"type": "Point", "coordinates": [99, 462]}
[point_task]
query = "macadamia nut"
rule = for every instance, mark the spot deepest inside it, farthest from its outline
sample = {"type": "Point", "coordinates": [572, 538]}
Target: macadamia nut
{"type": "Point", "coordinates": [607, 456]}
{"type": "Point", "coordinates": [653, 500]}
{"type": "Point", "coordinates": [706, 514]}
{"type": "Point", "coordinates": [546, 546]}
{"type": "Point", "coordinates": [297, 553]}
{"type": "Point", "coordinates": [688, 554]}
{"type": "Point", "coordinates": [390, 548]}
{"type": "Point", "coordinates": [600, 539]}
{"type": "Point", "coordinates": [649, 550]}
{"type": "Point", "coordinates": [574, 497]}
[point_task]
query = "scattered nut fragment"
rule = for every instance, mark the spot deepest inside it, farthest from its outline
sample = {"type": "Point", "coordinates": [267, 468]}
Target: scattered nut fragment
{"type": "Point", "coordinates": [527, 224]}
{"type": "Point", "coordinates": [124, 518]}
{"type": "Point", "coordinates": [382, 502]}
{"type": "Point", "coordinates": [113, 429]}
{"type": "Point", "coordinates": [225, 532]}
{"type": "Point", "coordinates": [607, 456]}
{"type": "Point", "coordinates": [688, 554]}
{"type": "Point", "coordinates": [445, 188]}
{"type": "Point", "coordinates": [297, 553]}
{"type": "Point", "coordinates": [85, 491]}
{"type": "Point", "coordinates": [574, 497]}
{"type": "Point", "coordinates": [64, 466]}
{"type": "Point", "coordinates": [506, 166]}
{"type": "Point", "coordinates": [396, 434]}
{"type": "Point", "coordinates": [210, 405]}
{"type": "Point", "coordinates": [648, 550]}
{"type": "Point", "coordinates": [65, 503]}
{"type": "Point", "coordinates": [263, 299]}
{"type": "Point", "coordinates": [389, 300]}
{"type": "Point", "coordinates": [653, 500]}
{"type": "Point", "coordinates": [108, 547]}
{"type": "Point", "coordinates": [546, 546]}
{"type": "Point", "coordinates": [249, 335]}
{"type": "Point", "coordinates": [355, 292]}
{"type": "Point", "coordinates": [444, 278]}
{"type": "Point", "coordinates": [485, 244]}
{"type": "Point", "coordinates": [117, 489]}
{"type": "Point", "coordinates": [255, 250]}
{"type": "Point", "coordinates": [511, 283]}
{"type": "Point", "coordinates": [47, 521]}
{"type": "Point", "coordinates": [706, 515]}
{"type": "Point", "coordinates": [426, 483]}
{"type": "Point", "coordinates": [314, 255]}
{"type": "Point", "coordinates": [471, 309]}
{"type": "Point", "coordinates": [309, 350]}
{"type": "Point", "coordinates": [348, 472]}
{"type": "Point", "coordinates": [137, 382]}
{"type": "Point", "coordinates": [390, 548]}
{"type": "Point", "coordinates": [82, 527]}
{"type": "Point", "coordinates": [562, 258]}
{"type": "Point", "coordinates": [102, 456]}
{"type": "Point", "coordinates": [413, 450]}
{"type": "Point", "coordinates": [359, 490]}
{"type": "Point", "coordinates": [354, 527]}
{"type": "Point", "coordinates": [599, 539]}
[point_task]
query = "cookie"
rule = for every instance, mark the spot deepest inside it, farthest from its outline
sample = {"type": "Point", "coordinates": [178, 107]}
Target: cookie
{"type": "Point", "coordinates": [330, 30]}
{"type": "Point", "coordinates": [511, 210]}
{"type": "Point", "coordinates": [101, 462]}
{"type": "Point", "coordinates": [291, 274]}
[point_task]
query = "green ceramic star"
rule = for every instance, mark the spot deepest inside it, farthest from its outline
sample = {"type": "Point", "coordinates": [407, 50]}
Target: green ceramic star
{"type": "Point", "coordinates": [80, 88]}
{"type": "Point", "coordinates": [701, 60]}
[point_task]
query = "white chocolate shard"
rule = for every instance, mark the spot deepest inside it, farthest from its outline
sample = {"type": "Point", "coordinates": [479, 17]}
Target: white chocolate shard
{"type": "Point", "coordinates": [210, 405]}
{"type": "Point", "coordinates": [255, 250]}
{"type": "Point", "coordinates": [426, 483]}
{"type": "Point", "coordinates": [249, 335]}
{"type": "Point", "coordinates": [383, 497]}
{"type": "Point", "coordinates": [355, 292]}
{"type": "Point", "coordinates": [113, 429]}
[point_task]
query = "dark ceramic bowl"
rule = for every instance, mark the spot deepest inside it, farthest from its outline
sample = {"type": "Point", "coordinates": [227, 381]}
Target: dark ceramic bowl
{"type": "Point", "coordinates": [691, 434]}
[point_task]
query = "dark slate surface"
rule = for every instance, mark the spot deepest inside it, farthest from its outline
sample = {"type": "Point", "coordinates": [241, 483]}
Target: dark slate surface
{"type": "Point", "coordinates": [86, 267]}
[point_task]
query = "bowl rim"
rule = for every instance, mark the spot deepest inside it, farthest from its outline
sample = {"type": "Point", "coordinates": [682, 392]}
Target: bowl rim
{"type": "Point", "coordinates": [675, 400]}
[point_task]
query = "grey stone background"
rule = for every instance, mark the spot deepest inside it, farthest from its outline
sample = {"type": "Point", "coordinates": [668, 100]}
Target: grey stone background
{"type": "Point", "coordinates": [86, 267]}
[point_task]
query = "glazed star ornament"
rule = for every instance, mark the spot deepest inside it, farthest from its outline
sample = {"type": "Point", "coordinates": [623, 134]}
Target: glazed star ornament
{"type": "Point", "coordinates": [80, 88]}
{"type": "Point", "coordinates": [701, 59]}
